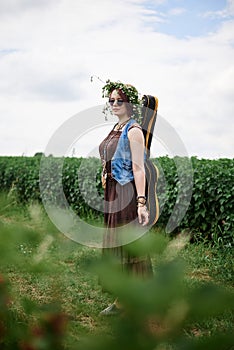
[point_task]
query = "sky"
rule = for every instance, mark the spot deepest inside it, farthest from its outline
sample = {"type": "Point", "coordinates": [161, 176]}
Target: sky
{"type": "Point", "coordinates": [181, 51]}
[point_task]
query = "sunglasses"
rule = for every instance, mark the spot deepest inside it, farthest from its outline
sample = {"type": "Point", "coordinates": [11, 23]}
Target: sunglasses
{"type": "Point", "coordinates": [119, 101]}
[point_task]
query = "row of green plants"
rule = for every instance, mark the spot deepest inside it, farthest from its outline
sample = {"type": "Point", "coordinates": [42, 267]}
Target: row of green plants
{"type": "Point", "coordinates": [201, 188]}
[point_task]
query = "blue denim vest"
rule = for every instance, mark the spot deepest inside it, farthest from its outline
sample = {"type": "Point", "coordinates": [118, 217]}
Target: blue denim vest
{"type": "Point", "coordinates": [121, 163]}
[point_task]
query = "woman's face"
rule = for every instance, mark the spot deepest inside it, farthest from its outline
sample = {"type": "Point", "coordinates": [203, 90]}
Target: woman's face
{"type": "Point", "coordinates": [119, 109]}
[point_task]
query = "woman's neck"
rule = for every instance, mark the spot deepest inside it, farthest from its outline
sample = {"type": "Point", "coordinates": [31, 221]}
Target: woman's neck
{"type": "Point", "coordinates": [121, 124]}
{"type": "Point", "coordinates": [123, 119]}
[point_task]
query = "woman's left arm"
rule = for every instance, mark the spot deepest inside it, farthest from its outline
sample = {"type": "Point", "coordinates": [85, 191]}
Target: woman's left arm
{"type": "Point", "coordinates": [137, 147]}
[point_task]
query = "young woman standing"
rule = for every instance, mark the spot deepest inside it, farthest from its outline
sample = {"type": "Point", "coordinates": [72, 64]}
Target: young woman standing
{"type": "Point", "coordinates": [123, 153]}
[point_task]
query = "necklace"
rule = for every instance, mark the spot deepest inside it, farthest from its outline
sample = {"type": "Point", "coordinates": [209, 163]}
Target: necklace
{"type": "Point", "coordinates": [120, 126]}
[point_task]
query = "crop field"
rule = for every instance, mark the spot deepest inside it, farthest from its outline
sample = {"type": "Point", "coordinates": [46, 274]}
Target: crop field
{"type": "Point", "coordinates": [50, 289]}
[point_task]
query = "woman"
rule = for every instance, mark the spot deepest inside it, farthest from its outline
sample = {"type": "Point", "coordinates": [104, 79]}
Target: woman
{"type": "Point", "coordinates": [122, 153]}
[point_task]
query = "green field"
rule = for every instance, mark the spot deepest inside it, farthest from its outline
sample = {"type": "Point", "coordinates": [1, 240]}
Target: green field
{"type": "Point", "coordinates": [51, 297]}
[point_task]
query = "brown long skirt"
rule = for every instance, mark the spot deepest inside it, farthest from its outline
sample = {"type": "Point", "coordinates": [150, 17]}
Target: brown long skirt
{"type": "Point", "coordinates": [121, 209]}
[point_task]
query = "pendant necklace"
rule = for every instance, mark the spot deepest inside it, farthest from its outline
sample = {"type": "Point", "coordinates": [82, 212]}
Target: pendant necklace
{"type": "Point", "coordinates": [120, 126]}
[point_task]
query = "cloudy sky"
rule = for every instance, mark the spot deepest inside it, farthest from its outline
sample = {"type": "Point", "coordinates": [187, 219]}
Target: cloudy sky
{"type": "Point", "coordinates": [180, 50]}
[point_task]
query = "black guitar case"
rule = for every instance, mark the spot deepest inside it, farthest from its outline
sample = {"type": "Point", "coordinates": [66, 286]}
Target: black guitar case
{"type": "Point", "coordinates": [149, 115]}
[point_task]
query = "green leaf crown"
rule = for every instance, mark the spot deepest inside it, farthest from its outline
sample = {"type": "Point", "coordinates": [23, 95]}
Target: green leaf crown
{"type": "Point", "coordinates": [129, 90]}
{"type": "Point", "coordinates": [131, 93]}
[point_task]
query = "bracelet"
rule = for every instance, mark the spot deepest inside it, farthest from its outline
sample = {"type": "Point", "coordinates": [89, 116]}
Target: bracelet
{"type": "Point", "coordinates": [141, 200]}
{"type": "Point", "coordinates": [144, 197]}
{"type": "Point", "coordinates": [143, 203]}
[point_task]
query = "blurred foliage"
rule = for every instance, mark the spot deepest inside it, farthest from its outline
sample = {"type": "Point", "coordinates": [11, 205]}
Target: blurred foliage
{"type": "Point", "coordinates": [24, 323]}
{"type": "Point", "coordinates": [47, 289]}
{"type": "Point", "coordinates": [77, 181]}
{"type": "Point", "coordinates": [159, 312]}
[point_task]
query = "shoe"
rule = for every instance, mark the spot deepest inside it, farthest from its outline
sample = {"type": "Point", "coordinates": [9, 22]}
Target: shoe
{"type": "Point", "coordinates": [110, 310]}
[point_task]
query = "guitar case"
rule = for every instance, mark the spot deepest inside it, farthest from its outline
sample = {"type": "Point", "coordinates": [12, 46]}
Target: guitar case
{"type": "Point", "coordinates": [149, 116]}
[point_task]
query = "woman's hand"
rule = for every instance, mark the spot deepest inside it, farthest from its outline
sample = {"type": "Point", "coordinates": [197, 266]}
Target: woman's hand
{"type": "Point", "coordinates": [143, 215]}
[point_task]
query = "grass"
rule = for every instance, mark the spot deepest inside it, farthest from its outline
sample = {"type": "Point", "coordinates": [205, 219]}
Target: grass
{"type": "Point", "coordinates": [47, 270]}
{"type": "Point", "coordinates": [206, 264]}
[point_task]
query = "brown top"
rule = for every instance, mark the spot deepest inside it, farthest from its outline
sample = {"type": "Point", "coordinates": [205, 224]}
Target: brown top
{"type": "Point", "coordinates": [108, 146]}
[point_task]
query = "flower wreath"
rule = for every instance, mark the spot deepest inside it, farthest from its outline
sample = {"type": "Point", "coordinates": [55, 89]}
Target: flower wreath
{"type": "Point", "coordinates": [129, 90]}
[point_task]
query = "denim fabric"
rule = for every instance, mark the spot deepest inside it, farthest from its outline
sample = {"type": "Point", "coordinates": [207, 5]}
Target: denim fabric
{"type": "Point", "coordinates": [121, 163]}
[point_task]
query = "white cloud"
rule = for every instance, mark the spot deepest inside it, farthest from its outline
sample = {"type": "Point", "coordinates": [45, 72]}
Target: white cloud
{"type": "Point", "coordinates": [177, 11]}
{"type": "Point", "coordinates": [227, 12]}
{"type": "Point", "coordinates": [230, 6]}
{"type": "Point", "coordinates": [9, 7]}
{"type": "Point", "coordinates": [51, 52]}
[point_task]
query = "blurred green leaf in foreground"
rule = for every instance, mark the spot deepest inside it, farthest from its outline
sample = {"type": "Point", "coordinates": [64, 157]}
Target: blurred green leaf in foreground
{"type": "Point", "coordinates": [155, 312]}
{"type": "Point", "coordinates": [49, 279]}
